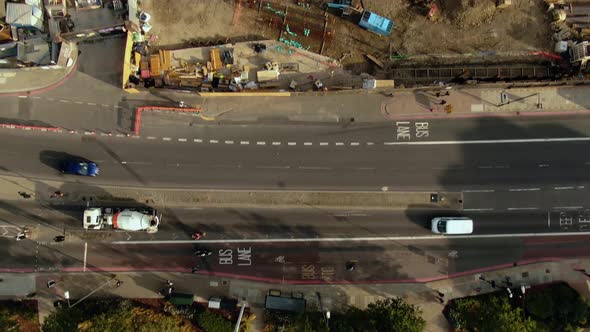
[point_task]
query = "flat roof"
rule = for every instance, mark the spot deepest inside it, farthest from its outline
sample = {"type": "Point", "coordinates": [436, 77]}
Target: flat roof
{"type": "Point", "coordinates": [288, 304]}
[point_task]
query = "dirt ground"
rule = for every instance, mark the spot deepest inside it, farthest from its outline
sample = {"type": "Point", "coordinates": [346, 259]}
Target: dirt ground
{"type": "Point", "coordinates": [464, 27]}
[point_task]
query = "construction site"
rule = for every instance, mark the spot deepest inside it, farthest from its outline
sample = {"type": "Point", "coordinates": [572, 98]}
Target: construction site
{"type": "Point", "coordinates": [303, 44]}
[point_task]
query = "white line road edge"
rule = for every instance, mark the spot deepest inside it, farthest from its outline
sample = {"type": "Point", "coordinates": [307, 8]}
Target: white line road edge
{"type": "Point", "coordinates": [358, 239]}
{"type": "Point", "coordinates": [498, 141]}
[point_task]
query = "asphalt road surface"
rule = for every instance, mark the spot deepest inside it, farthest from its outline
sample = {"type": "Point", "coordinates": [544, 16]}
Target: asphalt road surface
{"type": "Point", "coordinates": [297, 245]}
{"type": "Point", "coordinates": [493, 176]}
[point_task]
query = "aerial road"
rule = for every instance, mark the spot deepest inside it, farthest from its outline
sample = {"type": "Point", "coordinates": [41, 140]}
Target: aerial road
{"type": "Point", "coordinates": [288, 245]}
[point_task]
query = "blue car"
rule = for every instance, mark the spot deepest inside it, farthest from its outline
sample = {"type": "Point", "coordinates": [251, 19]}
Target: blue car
{"type": "Point", "coordinates": [80, 168]}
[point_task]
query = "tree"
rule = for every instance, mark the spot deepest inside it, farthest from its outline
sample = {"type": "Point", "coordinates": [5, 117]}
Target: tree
{"type": "Point", "coordinates": [212, 322]}
{"type": "Point", "coordinates": [386, 315]}
{"type": "Point", "coordinates": [394, 314]}
{"type": "Point", "coordinates": [490, 314]}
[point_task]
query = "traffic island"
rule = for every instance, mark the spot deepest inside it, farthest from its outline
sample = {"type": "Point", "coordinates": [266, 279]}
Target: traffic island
{"type": "Point", "coordinates": [76, 193]}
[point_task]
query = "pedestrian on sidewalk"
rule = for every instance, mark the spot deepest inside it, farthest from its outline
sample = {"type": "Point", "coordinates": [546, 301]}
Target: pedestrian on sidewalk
{"type": "Point", "coordinates": [24, 194]}
{"type": "Point", "coordinates": [169, 283]}
{"type": "Point", "coordinates": [59, 238]}
{"type": "Point", "coordinates": [57, 194]}
{"type": "Point", "coordinates": [442, 102]}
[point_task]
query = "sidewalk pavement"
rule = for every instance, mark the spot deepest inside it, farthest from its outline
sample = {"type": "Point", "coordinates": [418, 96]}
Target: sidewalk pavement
{"type": "Point", "coordinates": [476, 102]}
{"type": "Point", "coordinates": [340, 109]}
{"type": "Point", "coordinates": [319, 297]}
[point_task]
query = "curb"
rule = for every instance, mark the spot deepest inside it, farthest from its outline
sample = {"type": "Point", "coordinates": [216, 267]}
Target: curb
{"type": "Point", "coordinates": [39, 128]}
{"type": "Point", "coordinates": [431, 116]}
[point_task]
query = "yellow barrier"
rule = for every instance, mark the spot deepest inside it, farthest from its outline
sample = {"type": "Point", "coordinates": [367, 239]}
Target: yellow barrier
{"type": "Point", "coordinates": [127, 62]}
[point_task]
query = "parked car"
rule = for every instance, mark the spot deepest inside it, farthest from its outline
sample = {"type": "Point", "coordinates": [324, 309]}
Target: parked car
{"type": "Point", "coordinates": [452, 225]}
{"type": "Point", "coordinates": [84, 168]}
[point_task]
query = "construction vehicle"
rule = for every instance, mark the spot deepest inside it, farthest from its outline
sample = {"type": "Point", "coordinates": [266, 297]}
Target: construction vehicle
{"type": "Point", "coordinates": [128, 219]}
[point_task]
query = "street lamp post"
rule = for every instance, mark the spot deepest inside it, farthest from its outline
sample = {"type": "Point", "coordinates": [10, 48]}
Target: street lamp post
{"type": "Point", "coordinates": [67, 296]}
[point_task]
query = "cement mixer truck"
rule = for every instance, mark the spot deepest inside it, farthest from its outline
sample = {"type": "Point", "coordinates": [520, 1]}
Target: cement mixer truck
{"type": "Point", "coordinates": [128, 219]}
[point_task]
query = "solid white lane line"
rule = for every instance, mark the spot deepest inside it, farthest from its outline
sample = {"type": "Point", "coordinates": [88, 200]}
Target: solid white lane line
{"type": "Point", "coordinates": [479, 191]}
{"type": "Point", "coordinates": [522, 209]}
{"type": "Point", "coordinates": [315, 168]}
{"type": "Point", "coordinates": [213, 141]}
{"type": "Point", "coordinates": [244, 142]}
{"type": "Point", "coordinates": [359, 239]}
{"type": "Point", "coordinates": [490, 209]}
{"type": "Point", "coordinates": [229, 142]}
{"type": "Point", "coordinates": [273, 167]}
{"type": "Point", "coordinates": [276, 143]}
{"type": "Point", "coordinates": [563, 188]}
{"type": "Point", "coordinates": [261, 143]}
{"type": "Point", "coordinates": [198, 140]}
{"type": "Point", "coordinates": [389, 143]}
{"type": "Point", "coordinates": [182, 139]}
{"type": "Point", "coordinates": [525, 189]}
{"type": "Point", "coordinates": [85, 254]}
{"type": "Point", "coordinates": [499, 141]}
{"type": "Point", "coordinates": [167, 138]}
{"type": "Point", "coordinates": [567, 207]}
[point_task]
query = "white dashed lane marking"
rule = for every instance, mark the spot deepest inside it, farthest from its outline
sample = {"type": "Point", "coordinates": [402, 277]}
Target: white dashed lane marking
{"type": "Point", "coordinates": [182, 140]}
{"type": "Point", "coordinates": [229, 142]}
{"type": "Point", "coordinates": [261, 143]}
{"type": "Point", "coordinates": [244, 142]}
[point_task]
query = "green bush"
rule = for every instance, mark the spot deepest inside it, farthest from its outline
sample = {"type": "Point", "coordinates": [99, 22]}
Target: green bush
{"type": "Point", "coordinates": [212, 322]}
{"type": "Point", "coordinates": [540, 305]}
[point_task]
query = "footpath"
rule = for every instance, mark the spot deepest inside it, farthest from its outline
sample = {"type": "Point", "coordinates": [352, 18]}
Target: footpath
{"type": "Point", "coordinates": [341, 109]}
{"type": "Point", "coordinates": [319, 297]}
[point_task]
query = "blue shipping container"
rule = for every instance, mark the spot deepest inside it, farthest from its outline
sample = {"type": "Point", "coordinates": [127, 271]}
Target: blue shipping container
{"type": "Point", "coordinates": [376, 23]}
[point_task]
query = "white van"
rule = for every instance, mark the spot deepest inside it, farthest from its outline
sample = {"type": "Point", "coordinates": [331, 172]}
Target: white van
{"type": "Point", "coordinates": [452, 225]}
